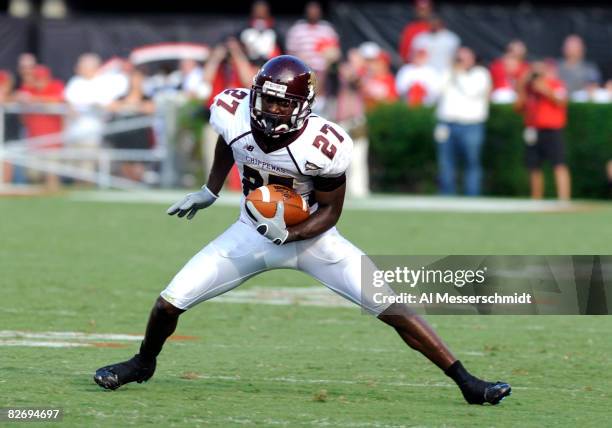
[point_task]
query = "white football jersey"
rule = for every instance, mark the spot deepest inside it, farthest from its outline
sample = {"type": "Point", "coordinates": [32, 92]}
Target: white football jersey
{"type": "Point", "coordinates": [323, 149]}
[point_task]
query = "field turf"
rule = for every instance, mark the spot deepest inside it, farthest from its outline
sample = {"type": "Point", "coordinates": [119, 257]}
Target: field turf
{"type": "Point", "coordinates": [92, 267]}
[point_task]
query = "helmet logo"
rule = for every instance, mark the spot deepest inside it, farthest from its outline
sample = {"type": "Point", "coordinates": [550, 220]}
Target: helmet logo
{"type": "Point", "coordinates": [274, 89]}
{"type": "Point", "coordinates": [312, 83]}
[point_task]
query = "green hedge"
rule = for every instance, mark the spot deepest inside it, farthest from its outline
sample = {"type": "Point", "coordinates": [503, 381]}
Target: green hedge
{"type": "Point", "coordinates": [403, 158]}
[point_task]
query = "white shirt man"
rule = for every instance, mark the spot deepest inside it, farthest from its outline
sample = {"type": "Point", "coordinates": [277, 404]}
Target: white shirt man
{"type": "Point", "coordinates": [464, 95]}
{"type": "Point", "coordinates": [462, 110]}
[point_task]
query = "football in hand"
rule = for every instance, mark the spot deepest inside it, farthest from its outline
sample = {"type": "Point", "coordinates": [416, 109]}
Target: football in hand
{"type": "Point", "coordinates": [265, 199]}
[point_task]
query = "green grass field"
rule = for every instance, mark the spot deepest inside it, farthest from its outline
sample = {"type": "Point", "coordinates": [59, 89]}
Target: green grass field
{"type": "Point", "coordinates": [96, 267]}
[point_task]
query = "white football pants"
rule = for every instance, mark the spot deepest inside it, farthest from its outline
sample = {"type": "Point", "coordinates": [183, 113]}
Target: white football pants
{"type": "Point", "coordinates": [241, 252]}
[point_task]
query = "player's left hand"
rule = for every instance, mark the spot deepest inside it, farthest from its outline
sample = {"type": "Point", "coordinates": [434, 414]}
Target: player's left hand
{"type": "Point", "coordinates": [273, 228]}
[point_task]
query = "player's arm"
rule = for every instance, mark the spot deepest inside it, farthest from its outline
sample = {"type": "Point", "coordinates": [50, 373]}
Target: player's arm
{"type": "Point", "coordinates": [222, 164]}
{"type": "Point", "coordinates": [329, 194]}
{"type": "Point", "coordinates": [208, 194]}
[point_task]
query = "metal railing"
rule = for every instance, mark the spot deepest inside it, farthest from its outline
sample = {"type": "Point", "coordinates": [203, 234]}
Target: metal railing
{"type": "Point", "coordinates": [32, 152]}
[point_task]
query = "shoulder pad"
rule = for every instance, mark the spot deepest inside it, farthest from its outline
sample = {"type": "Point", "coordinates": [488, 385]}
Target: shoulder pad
{"type": "Point", "coordinates": [229, 113]}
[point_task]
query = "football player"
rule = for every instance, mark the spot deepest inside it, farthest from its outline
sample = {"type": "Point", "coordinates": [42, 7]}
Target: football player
{"type": "Point", "coordinates": [270, 132]}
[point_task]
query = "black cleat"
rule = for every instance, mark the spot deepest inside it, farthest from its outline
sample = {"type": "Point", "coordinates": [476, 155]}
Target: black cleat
{"type": "Point", "coordinates": [135, 369]}
{"type": "Point", "coordinates": [496, 392]}
{"type": "Point", "coordinates": [480, 392]}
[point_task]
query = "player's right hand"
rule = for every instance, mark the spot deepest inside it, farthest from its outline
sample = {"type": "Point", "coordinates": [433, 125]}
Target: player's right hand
{"type": "Point", "coordinates": [193, 202]}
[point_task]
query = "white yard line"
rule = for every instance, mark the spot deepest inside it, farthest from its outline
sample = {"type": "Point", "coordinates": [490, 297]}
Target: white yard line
{"type": "Point", "coordinates": [325, 422]}
{"type": "Point", "coordinates": [374, 382]}
{"type": "Point", "coordinates": [42, 343]}
{"type": "Point", "coordinates": [323, 381]}
{"type": "Point", "coordinates": [68, 335]}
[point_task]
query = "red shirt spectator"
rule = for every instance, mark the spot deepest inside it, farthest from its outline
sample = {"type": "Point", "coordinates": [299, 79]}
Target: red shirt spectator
{"type": "Point", "coordinates": [505, 74]}
{"type": "Point", "coordinates": [423, 10]}
{"type": "Point", "coordinates": [222, 72]}
{"type": "Point", "coordinates": [377, 82]}
{"type": "Point", "coordinates": [509, 69]}
{"type": "Point", "coordinates": [44, 90]}
{"type": "Point", "coordinates": [379, 88]}
{"type": "Point", "coordinates": [225, 77]}
{"type": "Point", "coordinates": [541, 111]}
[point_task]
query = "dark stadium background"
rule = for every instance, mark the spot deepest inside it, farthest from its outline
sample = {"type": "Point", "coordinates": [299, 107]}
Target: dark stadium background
{"type": "Point", "coordinates": [116, 27]}
{"type": "Point", "coordinates": [278, 6]}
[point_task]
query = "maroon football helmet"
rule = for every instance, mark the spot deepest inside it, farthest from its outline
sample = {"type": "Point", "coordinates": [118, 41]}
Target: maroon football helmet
{"type": "Point", "coordinates": [285, 77]}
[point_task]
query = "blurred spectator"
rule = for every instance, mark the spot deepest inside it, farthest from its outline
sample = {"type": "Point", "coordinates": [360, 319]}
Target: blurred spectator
{"type": "Point", "coordinates": [41, 90]}
{"type": "Point", "coordinates": [593, 93]}
{"type": "Point", "coordinates": [220, 76]}
{"type": "Point", "coordinates": [133, 103]}
{"type": "Point", "coordinates": [192, 79]}
{"type": "Point", "coordinates": [6, 86]}
{"type": "Point", "coordinates": [507, 71]}
{"type": "Point", "coordinates": [163, 79]}
{"type": "Point", "coordinates": [423, 10]}
{"type": "Point", "coordinates": [350, 115]}
{"type": "Point", "coordinates": [227, 67]}
{"type": "Point", "coordinates": [350, 103]}
{"type": "Point", "coordinates": [574, 70]}
{"type": "Point", "coordinates": [245, 68]}
{"type": "Point", "coordinates": [365, 80]}
{"type": "Point", "coordinates": [260, 39]}
{"type": "Point", "coordinates": [245, 71]}
{"type": "Point", "coordinates": [542, 99]}
{"type": "Point", "coordinates": [608, 87]}
{"type": "Point", "coordinates": [25, 67]}
{"type": "Point", "coordinates": [6, 95]}
{"type": "Point", "coordinates": [440, 43]}
{"type": "Point", "coordinates": [185, 79]}
{"type": "Point", "coordinates": [219, 72]}
{"type": "Point", "coordinates": [114, 75]}
{"type": "Point", "coordinates": [377, 81]}
{"type": "Point", "coordinates": [462, 111]}
{"type": "Point", "coordinates": [418, 82]}
{"type": "Point", "coordinates": [609, 175]}
{"type": "Point", "coordinates": [316, 42]}
{"type": "Point", "coordinates": [91, 88]}
{"type": "Point", "coordinates": [88, 93]}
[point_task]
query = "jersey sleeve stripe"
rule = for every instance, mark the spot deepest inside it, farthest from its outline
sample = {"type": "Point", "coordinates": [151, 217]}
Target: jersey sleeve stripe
{"type": "Point", "coordinates": [238, 138]}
